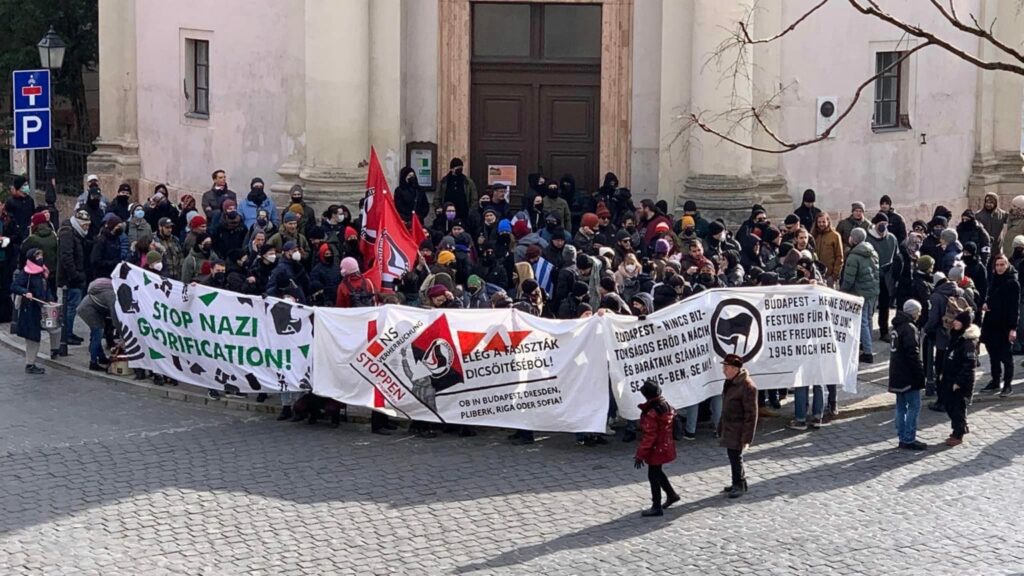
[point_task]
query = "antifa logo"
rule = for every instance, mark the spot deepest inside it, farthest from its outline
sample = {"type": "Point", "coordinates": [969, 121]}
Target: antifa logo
{"type": "Point", "coordinates": [397, 263]}
{"type": "Point", "coordinates": [736, 329]}
{"type": "Point", "coordinates": [438, 358]}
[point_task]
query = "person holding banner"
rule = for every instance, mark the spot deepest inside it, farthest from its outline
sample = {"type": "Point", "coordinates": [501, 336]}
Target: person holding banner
{"type": "Point", "coordinates": [739, 420]}
{"type": "Point", "coordinates": [658, 446]}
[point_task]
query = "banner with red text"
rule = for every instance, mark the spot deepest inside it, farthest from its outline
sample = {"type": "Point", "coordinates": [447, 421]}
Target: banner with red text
{"type": "Point", "coordinates": [476, 367]}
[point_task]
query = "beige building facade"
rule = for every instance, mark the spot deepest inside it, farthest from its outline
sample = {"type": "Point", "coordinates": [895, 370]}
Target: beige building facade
{"type": "Point", "coordinates": [297, 91]}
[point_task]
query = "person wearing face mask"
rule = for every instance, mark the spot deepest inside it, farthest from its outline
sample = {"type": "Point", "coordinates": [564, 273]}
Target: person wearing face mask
{"type": "Point", "coordinates": [535, 212]}
{"type": "Point", "coordinates": [256, 200]}
{"type": "Point", "coordinates": [410, 198]}
{"type": "Point", "coordinates": [968, 230]}
{"type": "Point", "coordinates": [20, 207]}
{"type": "Point", "coordinates": [137, 226]}
{"type": "Point", "coordinates": [718, 240]}
{"type": "Point", "coordinates": [230, 235]}
{"type": "Point", "coordinates": [443, 223]}
{"type": "Point", "coordinates": [325, 277]}
{"type": "Point", "coordinates": [92, 186]}
{"type": "Point", "coordinates": [289, 272]}
{"type": "Point", "coordinates": [122, 203]}
{"type": "Point", "coordinates": [567, 191]}
{"type": "Point", "coordinates": [263, 225]}
{"type": "Point", "coordinates": [490, 269]}
{"type": "Point", "coordinates": [606, 193]}
{"type": "Point", "coordinates": [262, 267]}
{"type": "Point", "coordinates": [807, 212]}
{"type": "Point", "coordinates": [456, 188]}
{"type": "Point", "coordinates": [556, 205]}
{"type": "Point", "coordinates": [334, 230]}
{"type": "Point", "coordinates": [202, 253]}
{"type": "Point", "coordinates": [167, 243]}
{"type": "Point", "coordinates": [976, 271]}
{"type": "Point", "coordinates": [106, 249]}
{"type": "Point", "coordinates": [31, 284]}
{"type": "Point", "coordinates": [889, 268]}
{"type": "Point", "coordinates": [218, 276]}
{"type": "Point", "coordinates": [307, 215]}
{"type": "Point", "coordinates": [999, 326]}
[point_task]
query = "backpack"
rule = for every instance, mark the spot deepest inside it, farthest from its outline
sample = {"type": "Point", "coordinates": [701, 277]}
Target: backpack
{"type": "Point", "coordinates": [360, 296]}
{"type": "Point", "coordinates": [954, 306]}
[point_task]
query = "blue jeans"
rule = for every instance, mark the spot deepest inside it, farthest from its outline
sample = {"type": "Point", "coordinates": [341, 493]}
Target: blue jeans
{"type": "Point", "coordinates": [800, 403]}
{"type": "Point", "coordinates": [908, 406]}
{"type": "Point", "coordinates": [865, 325]}
{"type": "Point", "coordinates": [72, 298]}
{"type": "Point", "coordinates": [96, 345]}
{"type": "Point", "coordinates": [692, 411]}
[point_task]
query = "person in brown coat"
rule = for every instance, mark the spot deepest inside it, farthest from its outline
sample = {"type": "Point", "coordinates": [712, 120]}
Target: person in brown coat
{"type": "Point", "coordinates": [739, 419]}
{"type": "Point", "coordinates": [829, 247]}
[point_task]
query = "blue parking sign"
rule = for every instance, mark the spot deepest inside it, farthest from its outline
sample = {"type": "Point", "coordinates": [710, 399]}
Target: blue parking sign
{"type": "Point", "coordinates": [31, 100]}
{"type": "Point", "coordinates": [32, 130]}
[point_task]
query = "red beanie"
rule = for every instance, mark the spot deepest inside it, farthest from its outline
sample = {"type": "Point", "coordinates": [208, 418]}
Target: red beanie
{"type": "Point", "coordinates": [589, 220]}
{"type": "Point", "coordinates": [350, 232]}
{"type": "Point", "coordinates": [196, 222]}
{"type": "Point", "coordinates": [40, 218]}
{"type": "Point", "coordinates": [323, 250]}
{"type": "Point", "coordinates": [520, 229]}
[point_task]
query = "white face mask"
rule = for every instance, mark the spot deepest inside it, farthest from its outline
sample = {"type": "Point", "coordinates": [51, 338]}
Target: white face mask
{"type": "Point", "coordinates": [630, 268]}
{"type": "Point", "coordinates": [158, 266]}
{"type": "Point", "coordinates": [271, 258]}
{"type": "Point", "coordinates": [720, 236]}
{"type": "Point", "coordinates": [296, 256]}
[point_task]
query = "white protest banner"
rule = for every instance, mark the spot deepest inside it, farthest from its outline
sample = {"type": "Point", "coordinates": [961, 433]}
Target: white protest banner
{"type": "Point", "coordinates": [477, 367]}
{"type": "Point", "coordinates": [213, 338]}
{"type": "Point", "coordinates": [787, 336]}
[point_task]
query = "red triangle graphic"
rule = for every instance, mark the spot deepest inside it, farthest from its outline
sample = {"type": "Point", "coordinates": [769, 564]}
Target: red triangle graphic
{"type": "Point", "coordinates": [469, 340]}
{"type": "Point", "coordinates": [496, 344]}
{"type": "Point", "coordinates": [517, 336]}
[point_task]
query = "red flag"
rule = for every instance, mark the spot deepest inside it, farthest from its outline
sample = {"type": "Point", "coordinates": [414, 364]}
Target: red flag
{"type": "Point", "coordinates": [418, 233]}
{"type": "Point", "coordinates": [377, 196]}
{"type": "Point", "coordinates": [394, 251]}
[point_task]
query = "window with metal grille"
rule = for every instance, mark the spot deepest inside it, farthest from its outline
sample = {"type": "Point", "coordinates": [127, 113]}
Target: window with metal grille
{"type": "Point", "coordinates": [197, 79]}
{"type": "Point", "coordinates": [888, 88]}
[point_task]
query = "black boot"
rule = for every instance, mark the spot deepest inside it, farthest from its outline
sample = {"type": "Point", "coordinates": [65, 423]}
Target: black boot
{"type": "Point", "coordinates": [653, 511]}
{"type": "Point", "coordinates": [672, 499]}
{"type": "Point", "coordinates": [285, 414]}
{"type": "Point", "coordinates": [993, 386]}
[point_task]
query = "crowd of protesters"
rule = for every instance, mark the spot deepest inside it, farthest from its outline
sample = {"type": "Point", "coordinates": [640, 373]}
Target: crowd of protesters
{"type": "Point", "coordinates": [560, 253]}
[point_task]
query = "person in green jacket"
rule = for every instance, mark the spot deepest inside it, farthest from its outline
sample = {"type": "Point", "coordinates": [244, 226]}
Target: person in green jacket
{"type": "Point", "coordinates": [860, 278]}
{"type": "Point", "coordinates": [456, 188]}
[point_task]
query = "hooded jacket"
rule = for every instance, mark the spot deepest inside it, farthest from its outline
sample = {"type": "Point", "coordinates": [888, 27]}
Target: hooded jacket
{"type": "Point", "coordinates": [961, 360]}
{"type": "Point", "coordinates": [410, 198]}
{"type": "Point", "coordinates": [937, 309]}
{"type": "Point", "coordinates": [994, 221]}
{"type": "Point", "coordinates": [906, 370]}
{"type": "Point", "coordinates": [44, 239]}
{"type": "Point", "coordinates": [657, 446]}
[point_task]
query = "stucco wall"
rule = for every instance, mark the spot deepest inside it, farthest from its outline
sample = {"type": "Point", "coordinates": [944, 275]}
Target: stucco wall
{"type": "Point", "coordinates": [646, 98]}
{"type": "Point", "coordinates": [419, 71]}
{"type": "Point", "coordinates": [251, 68]}
{"type": "Point", "coordinates": [830, 56]}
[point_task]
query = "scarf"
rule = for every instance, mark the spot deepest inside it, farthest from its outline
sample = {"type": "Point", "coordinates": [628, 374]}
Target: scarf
{"type": "Point", "coordinates": [33, 268]}
{"type": "Point", "coordinates": [78, 227]}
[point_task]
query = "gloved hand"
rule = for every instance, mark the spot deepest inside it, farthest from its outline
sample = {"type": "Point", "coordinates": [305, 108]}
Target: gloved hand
{"type": "Point", "coordinates": [638, 463]}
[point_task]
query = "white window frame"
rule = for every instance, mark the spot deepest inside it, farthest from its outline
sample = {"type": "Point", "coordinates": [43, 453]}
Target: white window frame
{"type": "Point", "coordinates": [908, 83]}
{"type": "Point", "coordinates": [187, 64]}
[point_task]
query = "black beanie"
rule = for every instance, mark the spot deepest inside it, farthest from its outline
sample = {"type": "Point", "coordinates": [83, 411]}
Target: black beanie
{"type": "Point", "coordinates": [650, 389]}
{"type": "Point", "coordinates": [809, 196]}
{"type": "Point", "coordinates": [580, 289]}
{"type": "Point", "coordinates": [608, 283]}
{"type": "Point", "coordinates": [689, 206]}
{"type": "Point", "coordinates": [880, 217]}
{"type": "Point", "coordinates": [791, 219]}
{"type": "Point", "coordinates": [583, 262]}
{"type": "Point", "coordinates": [715, 228]}
{"type": "Point", "coordinates": [454, 163]}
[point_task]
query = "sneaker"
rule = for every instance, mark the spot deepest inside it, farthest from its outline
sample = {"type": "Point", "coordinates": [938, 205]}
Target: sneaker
{"type": "Point", "coordinates": [903, 446]}
{"type": "Point", "coordinates": [689, 436]}
{"type": "Point", "coordinates": [1007, 392]}
{"type": "Point", "coordinates": [918, 445]}
{"type": "Point", "coordinates": [866, 358]}
{"type": "Point", "coordinates": [74, 340]}
{"type": "Point", "coordinates": [797, 425]}
{"type": "Point", "coordinates": [816, 423]}
{"type": "Point", "coordinates": [652, 511]}
{"type": "Point", "coordinates": [992, 387]}
{"type": "Point", "coordinates": [936, 407]}
{"type": "Point", "coordinates": [97, 367]}
{"type": "Point", "coordinates": [776, 405]}
{"type": "Point", "coordinates": [33, 369]}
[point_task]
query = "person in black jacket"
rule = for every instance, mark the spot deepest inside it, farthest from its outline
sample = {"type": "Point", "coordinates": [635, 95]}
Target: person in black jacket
{"type": "Point", "coordinates": [410, 198]}
{"type": "Point", "coordinates": [71, 269]}
{"type": "Point", "coordinates": [906, 374]}
{"type": "Point", "coordinates": [999, 326]}
{"type": "Point", "coordinates": [807, 212]}
{"type": "Point", "coordinates": [958, 374]}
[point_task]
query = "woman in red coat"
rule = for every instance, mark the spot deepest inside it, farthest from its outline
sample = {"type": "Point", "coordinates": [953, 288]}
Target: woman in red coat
{"type": "Point", "coordinates": [658, 446]}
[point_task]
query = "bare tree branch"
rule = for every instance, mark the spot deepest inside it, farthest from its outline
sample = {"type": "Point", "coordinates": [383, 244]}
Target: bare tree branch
{"type": "Point", "coordinates": [695, 120]}
{"type": "Point", "coordinates": [877, 12]}
{"type": "Point", "coordinates": [744, 27]}
{"type": "Point", "coordinates": [977, 30]}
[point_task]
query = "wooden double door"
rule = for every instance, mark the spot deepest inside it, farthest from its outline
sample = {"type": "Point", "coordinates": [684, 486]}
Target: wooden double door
{"type": "Point", "coordinates": [539, 118]}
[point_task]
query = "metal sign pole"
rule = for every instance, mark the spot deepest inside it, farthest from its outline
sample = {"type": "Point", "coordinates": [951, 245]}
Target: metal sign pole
{"type": "Point", "coordinates": [32, 170]}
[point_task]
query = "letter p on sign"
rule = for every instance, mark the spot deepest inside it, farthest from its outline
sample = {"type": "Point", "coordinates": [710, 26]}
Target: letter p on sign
{"type": "Point", "coordinates": [32, 130]}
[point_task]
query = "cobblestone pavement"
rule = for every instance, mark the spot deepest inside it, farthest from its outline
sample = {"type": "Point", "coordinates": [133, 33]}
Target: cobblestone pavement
{"type": "Point", "coordinates": [101, 480]}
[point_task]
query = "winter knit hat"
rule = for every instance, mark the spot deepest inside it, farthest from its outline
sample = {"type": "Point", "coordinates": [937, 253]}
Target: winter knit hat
{"type": "Point", "coordinates": [446, 257]}
{"type": "Point", "coordinates": [912, 307]}
{"type": "Point", "coordinates": [938, 278]}
{"type": "Point", "coordinates": [349, 266]}
{"type": "Point", "coordinates": [196, 222]}
{"type": "Point", "coordinates": [662, 246]}
{"type": "Point", "coordinates": [1018, 241]}
{"type": "Point", "coordinates": [925, 263]}
{"type": "Point", "coordinates": [809, 196]}
{"type": "Point", "coordinates": [580, 289]}
{"type": "Point", "coordinates": [589, 220]}
{"type": "Point", "coordinates": [857, 206]}
{"type": "Point", "coordinates": [520, 229]}
{"type": "Point", "coordinates": [956, 273]}
{"type": "Point", "coordinates": [688, 221]}
{"type": "Point", "coordinates": [662, 227]}
{"type": "Point", "coordinates": [40, 218]}
{"type": "Point", "coordinates": [504, 227]}
{"type": "Point", "coordinates": [948, 235]}
{"type": "Point", "coordinates": [290, 216]}
{"type": "Point", "coordinates": [791, 219]}
{"type": "Point", "coordinates": [880, 217]}
{"type": "Point", "coordinates": [715, 228]}
{"type": "Point", "coordinates": [689, 206]}
{"type": "Point", "coordinates": [474, 281]}
{"type": "Point", "coordinates": [153, 256]}
{"type": "Point", "coordinates": [965, 318]}
{"type": "Point", "coordinates": [436, 290]}
{"type": "Point", "coordinates": [532, 251]}
{"type": "Point", "coordinates": [857, 235]}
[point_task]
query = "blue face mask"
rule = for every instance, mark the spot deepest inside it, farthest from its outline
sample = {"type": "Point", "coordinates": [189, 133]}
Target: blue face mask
{"type": "Point", "coordinates": [25, 189]}
{"type": "Point", "coordinates": [139, 214]}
